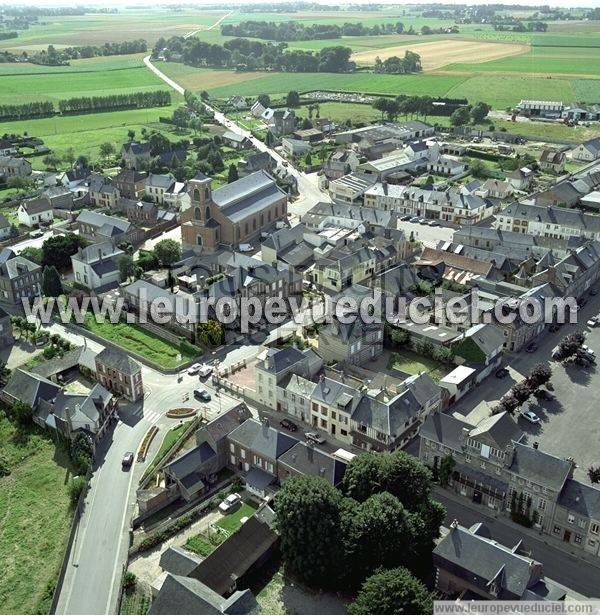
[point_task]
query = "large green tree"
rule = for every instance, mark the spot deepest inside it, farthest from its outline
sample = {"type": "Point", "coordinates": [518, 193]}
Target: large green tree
{"type": "Point", "coordinates": [307, 512]}
{"type": "Point", "coordinates": [392, 592]}
{"type": "Point", "coordinates": [51, 284]}
{"type": "Point", "coordinates": [168, 251]}
{"type": "Point", "coordinates": [57, 250]}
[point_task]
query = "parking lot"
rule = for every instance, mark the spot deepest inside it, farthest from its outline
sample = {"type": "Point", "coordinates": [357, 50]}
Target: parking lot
{"type": "Point", "coordinates": [423, 232]}
{"type": "Point", "coordinates": [570, 426]}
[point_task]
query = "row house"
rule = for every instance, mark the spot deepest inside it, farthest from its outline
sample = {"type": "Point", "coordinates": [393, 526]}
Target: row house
{"type": "Point", "coordinates": [20, 278]}
{"type": "Point", "coordinates": [103, 192]}
{"type": "Point", "coordinates": [98, 228]}
{"type": "Point", "coordinates": [156, 186]}
{"type": "Point", "coordinates": [354, 343]}
{"type": "Point", "coordinates": [130, 183]}
{"type": "Point", "coordinates": [343, 267]}
{"type": "Point", "coordinates": [14, 167]}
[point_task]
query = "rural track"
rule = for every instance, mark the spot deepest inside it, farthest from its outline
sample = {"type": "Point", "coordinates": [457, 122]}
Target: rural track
{"type": "Point", "coordinates": [211, 27]}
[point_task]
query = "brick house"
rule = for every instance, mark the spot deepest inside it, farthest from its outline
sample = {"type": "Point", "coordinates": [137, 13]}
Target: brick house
{"type": "Point", "coordinates": [119, 373]}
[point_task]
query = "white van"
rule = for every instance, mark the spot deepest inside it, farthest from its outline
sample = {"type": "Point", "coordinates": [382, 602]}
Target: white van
{"type": "Point", "coordinates": [246, 247]}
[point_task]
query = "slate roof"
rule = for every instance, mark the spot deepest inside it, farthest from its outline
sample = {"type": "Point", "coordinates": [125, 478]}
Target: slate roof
{"type": "Point", "coordinates": [155, 180]}
{"type": "Point", "coordinates": [83, 356]}
{"type": "Point", "coordinates": [500, 428]}
{"type": "Point", "coordinates": [12, 266]}
{"type": "Point", "coordinates": [444, 429]}
{"type": "Point", "coordinates": [37, 206]}
{"type": "Point", "coordinates": [186, 596]}
{"type": "Point", "coordinates": [388, 417]}
{"type": "Point", "coordinates": [119, 360]}
{"type": "Point", "coordinates": [422, 387]}
{"type": "Point", "coordinates": [130, 176]}
{"type": "Point", "coordinates": [178, 561]}
{"type": "Point", "coordinates": [4, 223]}
{"type": "Point", "coordinates": [30, 388]}
{"type": "Point", "coordinates": [262, 439]}
{"type": "Point", "coordinates": [310, 461]}
{"type": "Point", "coordinates": [539, 467]}
{"type": "Point", "coordinates": [480, 560]}
{"type": "Point", "coordinates": [281, 359]}
{"type": "Point", "coordinates": [137, 149]}
{"type": "Point", "coordinates": [103, 222]}
{"type": "Point", "coordinates": [234, 557]}
{"type": "Point", "coordinates": [568, 218]}
{"type": "Point", "coordinates": [221, 426]}
{"type": "Point", "coordinates": [488, 337]}
{"type": "Point", "coordinates": [190, 461]}
{"type": "Point", "coordinates": [247, 196]}
{"type": "Point", "coordinates": [580, 498]}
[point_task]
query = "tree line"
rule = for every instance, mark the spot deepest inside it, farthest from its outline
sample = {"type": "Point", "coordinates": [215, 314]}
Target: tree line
{"type": "Point", "coordinates": [26, 111]}
{"type": "Point", "coordinates": [134, 100]}
{"type": "Point", "coordinates": [61, 57]}
{"type": "Point", "coordinates": [244, 54]}
{"type": "Point", "coordinates": [297, 31]}
{"type": "Point", "coordinates": [7, 35]}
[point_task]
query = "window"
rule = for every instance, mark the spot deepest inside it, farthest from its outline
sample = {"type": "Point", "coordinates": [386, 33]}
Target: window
{"type": "Point", "coordinates": [581, 523]}
{"type": "Point", "coordinates": [542, 504]}
{"type": "Point", "coordinates": [595, 528]}
{"type": "Point", "coordinates": [571, 518]}
{"type": "Point", "coordinates": [243, 453]}
{"type": "Point", "coordinates": [578, 539]}
{"type": "Point", "coordinates": [232, 447]}
{"type": "Point", "coordinates": [556, 529]}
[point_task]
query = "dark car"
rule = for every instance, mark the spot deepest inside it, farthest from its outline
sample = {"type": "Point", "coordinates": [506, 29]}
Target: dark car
{"type": "Point", "coordinates": [127, 461]}
{"type": "Point", "coordinates": [502, 372]}
{"type": "Point", "coordinates": [532, 347]}
{"type": "Point", "coordinates": [202, 395]}
{"type": "Point", "coordinates": [287, 424]}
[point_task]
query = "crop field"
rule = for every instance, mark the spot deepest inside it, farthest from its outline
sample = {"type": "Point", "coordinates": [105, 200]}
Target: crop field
{"type": "Point", "coordinates": [95, 29]}
{"type": "Point", "coordinates": [100, 63]}
{"type": "Point", "coordinates": [22, 88]}
{"type": "Point", "coordinates": [439, 53]}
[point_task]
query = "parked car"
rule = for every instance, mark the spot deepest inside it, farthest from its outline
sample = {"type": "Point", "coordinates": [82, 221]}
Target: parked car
{"type": "Point", "coordinates": [193, 369]}
{"type": "Point", "coordinates": [545, 394]}
{"type": "Point", "coordinates": [289, 425]}
{"type": "Point", "coordinates": [423, 221]}
{"type": "Point", "coordinates": [313, 436]}
{"type": "Point", "coordinates": [434, 223]}
{"type": "Point", "coordinates": [127, 460]}
{"type": "Point", "coordinates": [531, 417]}
{"type": "Point", "coordinates": [36, 233]}
{"type": "Point", "coordinates": [588, 350]}
{"type": "Point", "coordinates": [502, 372]}
{"type": "Point", "coordinates": [205, 370]}
{"type": "Point", "coordinates": [415, 219]}
{"type": "Point", "coordinates": [230, 503]}
{"type": "Point", "coordinates": [593, 322]}
{"type": "Point", "coordinates": [202, 394]}
{"type": "Point", "coordinates": [246, 247]}
{"type": "Point", "coordinates": [405, 218]}
{"type": "Point", "coordinates": [532, 347]}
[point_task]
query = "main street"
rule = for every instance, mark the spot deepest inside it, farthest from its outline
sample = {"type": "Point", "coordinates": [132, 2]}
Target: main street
{"type": "Point", "coordinates": [99, 551]}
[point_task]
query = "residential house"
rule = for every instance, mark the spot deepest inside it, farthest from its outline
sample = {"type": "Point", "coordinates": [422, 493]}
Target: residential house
{"type": "Point", "coordinates": [233, 214]}
{"type": "Point", "coordinates": [347, 216]}
{"type": "Point", "coordinates": [176, 195]}
{"type": "Point", "coordinates": [292, 246]}
{"type": "Point", "coordinates": [257, 109]}
{"type": "Point", "coordinates": [97, 266]}
{"type": "Point", "coordinates": [190, 596]}
{"type": "Point", "coordinates": [284, 122]}
{"type": "Point", "coordinates": [76, 177]}
{"type": "Point", "coordinates": [230, 566]}
{"type": "Point", "coordinates": [588, 151]}
{"type": "Point", "coordinates": [553, 160]}
{"type": "Point", "coordinates": [14, 167]}
{"type": "Point", "coordinates": [60, 198]}
{"type": "Point", "coordinates": [496, 189]}
{"type": "Point", "coordinates": [35, 212]}
{"type": "Point", "coordinates": [446, 165]}
{"type": "Point", "coordinates": [192, 472]}
{"type": "Point", "coordinates": [520, 179]}
{"type": "Point", "coordinates": [276, 364]}
{"type": "Point", "coordinates": [236, 140]}
{"type": "Point", "coordinates": [340, 163]}
{"type": "Point", "coordinates": [342, 267]}
{"type": "Point", "coordinates": [355, 343]}
{"type": "Point", "coordinates": [5, 227]}
{"type": "Point", "coordinates": [303, 459]}
{"type": "Point", "coordinates": [254, 448]}
{"type": "Point", "coordinates": [237, 102]}
{"type": "Point", "coordinates": [136, 155]}
{"type": "Point", "coordinates": [555, 222]}
{"type": "Point", "coordinates": [294, 147]}
{"type": "Point", "coordinates": [98, 228]}
{"type": "Point", "coordinates": [156, 186]}
{"type": "Point", "coordinates": [396, 163]}
{"type": "Point", "coordinates": [102, 191]}
{"type": "Point", "coordinates": [396, 134]}
{"type": "Point", "coordinates": [493, 466]}
{"type": "Point", "coordinates": [6, 329]}
{"type": "Point", "coordinates": [20, 278]}
{"type": "Point", "coordinates": [257, 161]}
{"type": "Point", "coordinates": [7, 148]}
{"type": "Point", "coordinates": [470, 564]}
{"type": "Point", "coordinates": [130, 183]}
{"type": "Point", "coordinates": [119, 373]}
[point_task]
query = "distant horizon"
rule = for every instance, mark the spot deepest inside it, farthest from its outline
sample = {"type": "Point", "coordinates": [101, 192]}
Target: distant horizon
{"type": "Point", "coordinates": [587, 4]}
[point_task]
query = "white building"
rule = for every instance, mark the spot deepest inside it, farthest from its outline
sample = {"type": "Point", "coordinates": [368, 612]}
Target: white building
{"type": "Point", "coordinates": [97, 265]}
{"type": "Point", "coordinates": [35, 212]}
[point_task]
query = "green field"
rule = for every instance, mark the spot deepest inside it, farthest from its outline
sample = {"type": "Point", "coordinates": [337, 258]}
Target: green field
{"type": "Point", "coordinates": [85, 133]}
{"type": "Point", "coordinates": [23, 88]}
{"type": "Point", "coordinates": [35, 513]}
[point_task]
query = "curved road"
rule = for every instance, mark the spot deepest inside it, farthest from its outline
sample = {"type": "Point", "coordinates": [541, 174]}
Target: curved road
{"type": "Point", "coordinates": [310, 194]}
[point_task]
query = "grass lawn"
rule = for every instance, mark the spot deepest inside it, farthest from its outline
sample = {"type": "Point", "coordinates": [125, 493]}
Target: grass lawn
{"type": "Point", "coordinates": [200, 545]}
{"type": "Point", "coordinates": [170, 438]}
{"type": "Point", "coordinates": [341, 112]}
{"type": "Point", "coordinates": [233, 521]}
{"type": "Point", "coordinates": [134, 338]}
{"type": "Point", "coordinates": [411, 363]}
{"type": "Point", "coordinates": [36, 516]}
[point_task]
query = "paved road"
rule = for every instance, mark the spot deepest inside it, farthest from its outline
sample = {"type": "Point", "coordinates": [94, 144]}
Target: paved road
{"type": "Point", "coordinates": [558, 565]}
{"type": "Point", "coordinates": [308, 190]}
{"type": "Point", "coordinates": [100, 549]}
